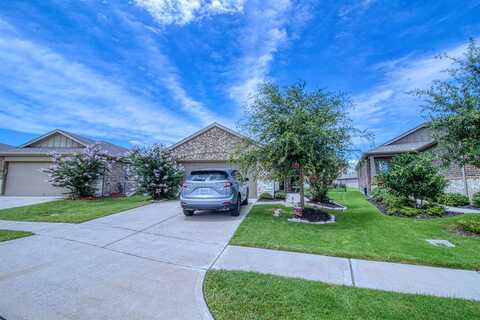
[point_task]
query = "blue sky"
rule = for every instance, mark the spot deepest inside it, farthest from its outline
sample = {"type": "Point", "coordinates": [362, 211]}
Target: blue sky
{"type": "Point", "coordinates": [144, 71]}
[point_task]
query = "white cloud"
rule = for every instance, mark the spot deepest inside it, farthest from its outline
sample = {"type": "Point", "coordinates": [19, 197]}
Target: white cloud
{"type": "Point", "coordinates": [264, 34]}
{"type": "Point", "coordinates": [181, 12]}
{"type": "Point", "coordinates": [169, 75]}
{"type": "Point", "coordinates": [42, 89]}
{"type": "Point", "coordinates": [391, 98]}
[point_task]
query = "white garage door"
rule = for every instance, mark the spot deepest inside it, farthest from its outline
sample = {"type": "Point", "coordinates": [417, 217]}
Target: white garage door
{"type": "Point", "coordinates": [27, 179]}
{"type": "Point", "coordinates": [190, 166]}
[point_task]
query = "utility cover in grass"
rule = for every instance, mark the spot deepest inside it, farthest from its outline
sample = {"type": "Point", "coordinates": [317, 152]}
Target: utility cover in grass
{"type": "Point", "coordinates": [441, 243]}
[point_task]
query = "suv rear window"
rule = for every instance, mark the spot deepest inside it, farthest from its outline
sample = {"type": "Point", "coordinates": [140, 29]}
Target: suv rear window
{"type": "Point", "coordinates": [207, 175]}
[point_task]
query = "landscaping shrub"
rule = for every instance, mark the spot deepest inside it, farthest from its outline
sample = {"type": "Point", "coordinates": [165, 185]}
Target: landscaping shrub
{"type": "Point", "coordinates": [471, 224]}
{"type": "Point", "coordinates": [435, 210]}
{"type": "Point", "coordinates": [453, 199]}
{"type": "Point", "coordinates": [404, 211]}
{"type": "Point", "coordinates": [79, 172]}
{"type": "Point", "coordinates": [155, 170]}
{"type": "Point", "coordinates": [476, 199]}
{"type": "Point", "coordinates": [265, 196]}
{"type": "Point", "coordinates": [413, 175]}
{"type": "Point", "coordinates": [391, 201]}
{"type": "Point", "coordinates": [280, 195]}
{"type": "Point", "coordinates": [379, 194]}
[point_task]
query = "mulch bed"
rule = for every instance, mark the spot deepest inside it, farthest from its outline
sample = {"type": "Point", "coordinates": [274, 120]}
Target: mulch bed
{"type": "Point", "coordinates": [460, 231]}
{"type": "Point", "coordinates": [314, 215]}
{"type": "Point", "coordinates": [327, 205]}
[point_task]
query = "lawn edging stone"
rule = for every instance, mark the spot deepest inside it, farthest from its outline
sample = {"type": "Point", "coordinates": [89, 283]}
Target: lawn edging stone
{"type": "Point", "coordinates": [332, 220]}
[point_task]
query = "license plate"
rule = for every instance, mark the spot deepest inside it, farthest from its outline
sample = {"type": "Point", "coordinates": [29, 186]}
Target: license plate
{"type": "Point", "coordinates": [203, 191]}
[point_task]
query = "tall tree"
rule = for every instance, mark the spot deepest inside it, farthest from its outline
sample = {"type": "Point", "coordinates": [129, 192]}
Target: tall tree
{"type": "Point", "coordinates": [296, 132]}
{"type": "Point", "coordinates": [453, 108]}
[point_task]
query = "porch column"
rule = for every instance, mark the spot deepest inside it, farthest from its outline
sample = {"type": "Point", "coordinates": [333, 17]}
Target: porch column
{"type": "Point", "coordinates": [373, 172]}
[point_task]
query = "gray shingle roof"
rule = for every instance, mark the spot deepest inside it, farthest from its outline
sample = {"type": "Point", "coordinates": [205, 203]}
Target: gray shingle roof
{"type": "Point", "coordinates": [399, 148]}
{"type": "Point", "coordinates": [40, 151]}
{"type": "Point", "coordinates": [109, 148]}
{"type": "Point", "coordinates": [4, 146]}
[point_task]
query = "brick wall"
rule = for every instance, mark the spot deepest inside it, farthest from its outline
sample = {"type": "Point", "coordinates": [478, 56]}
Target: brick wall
{"type": "Point", "coordinates": [116, 181]}
{"type": "Point", "coordinates": [213, 145]}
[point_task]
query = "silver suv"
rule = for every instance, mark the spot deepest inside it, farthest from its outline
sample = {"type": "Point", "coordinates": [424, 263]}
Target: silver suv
{"type": "Point", "coordinates": [214, 189]}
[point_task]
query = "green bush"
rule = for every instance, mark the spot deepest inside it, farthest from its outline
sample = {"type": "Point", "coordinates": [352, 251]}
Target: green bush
{"type": "Point", "coordinates": [435, 210]}
{"type": "Point", "coordinates": [391, 201]}
{"type": "Point", "coordinates": [413, 176]}
{"type": "Point", "coordinates": [265, 196]}
{"type": "Point", "coordinates": [476, 199]}
{"type": "Point", "coordinates": [404, 211]}
{"type": "Point", "coordinates": [453, 199]}
{"type": "Point", "coordinates": [471, 224]}
{"type": "Point", "coordinates": [280, 195]}
{"type": "Point", "coordinates": [379, 194]}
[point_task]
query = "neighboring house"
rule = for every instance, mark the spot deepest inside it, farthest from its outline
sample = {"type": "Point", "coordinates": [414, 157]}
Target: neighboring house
{"type": "Point", "coordinates": [5, 146]}
{"type": "Point", "coordinates": [211, 147]}
{"type": "Point", "coordinates": [347, 179]}
{"type": "Point", "coordinates": [464, 180]}
{"type": "Point", "coordinates": [21, 167]}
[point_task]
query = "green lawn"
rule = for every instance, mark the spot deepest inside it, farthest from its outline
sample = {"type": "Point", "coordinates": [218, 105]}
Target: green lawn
{"type": "Point", "coordinates": [362, 232]}
{"type": "Point", "coordinates": [73, 211]}
{"type": "Point", "coordinates": [235, 295]}
{"type": "Point", "coordinates": [6, 235]}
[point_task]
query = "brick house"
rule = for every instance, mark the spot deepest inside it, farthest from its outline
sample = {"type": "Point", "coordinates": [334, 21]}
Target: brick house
{"type": "Point", "coordinates": [464, 180]}
{"type": "Point", "coordinates": [211, 147]}
{"type": "Point", "coordinates": [21, 168]}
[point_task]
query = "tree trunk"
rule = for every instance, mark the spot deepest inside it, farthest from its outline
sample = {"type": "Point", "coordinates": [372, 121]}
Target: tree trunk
{"type": "Point", "coordinates": [302, 191]}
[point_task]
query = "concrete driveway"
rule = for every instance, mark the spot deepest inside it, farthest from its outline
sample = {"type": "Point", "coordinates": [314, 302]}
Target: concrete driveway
{"type": "Point", "coordinates": [145, 263]}
{"type": "Point", "coordinates": [11, 202]}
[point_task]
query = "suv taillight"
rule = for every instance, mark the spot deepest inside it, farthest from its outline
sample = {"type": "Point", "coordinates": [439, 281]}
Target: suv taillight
{"type": "Point", "coordinates": [227, 184]}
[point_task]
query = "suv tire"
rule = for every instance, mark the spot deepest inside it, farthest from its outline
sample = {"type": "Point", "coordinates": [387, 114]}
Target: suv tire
{"type": "Point", "coordinates": [188, 213]}
{"type": "Point", "coordinates": [236, 211]}
{"type": "Point", "coordinates": [245, 202]}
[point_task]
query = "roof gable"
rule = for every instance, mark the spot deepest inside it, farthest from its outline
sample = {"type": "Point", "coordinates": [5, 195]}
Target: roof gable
{"type": "Point", "coordinates": [399, 138]}
{"type": "Point", "coordinates": [200, 132]}
{"type": "Point", "coordinates": [413, 140]}
{"type": "Point", "coordinates": [64, 142]}
{"type": "Point", "coordinates": [56, 138]}
{"type": "Point", "coordinates": [213, 143]}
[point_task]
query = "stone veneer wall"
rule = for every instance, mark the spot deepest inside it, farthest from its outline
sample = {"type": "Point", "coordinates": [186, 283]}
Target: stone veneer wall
{"type": "Point", "coordinates": [116, 180]}
{"type": "Point", "coordinates": [212, 145]}
{"type": "Point", "coordinates": [457, 185]}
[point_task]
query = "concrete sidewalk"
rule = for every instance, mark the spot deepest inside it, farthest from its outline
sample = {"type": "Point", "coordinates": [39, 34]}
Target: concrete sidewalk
{"type": "Point", "coordinates": [12, 202]}
{"type": "Point", "coordinates": [144, 263]}
{"type": "Point", "coordinates": [462, 210]}
{"type": "Point", "coordinates": [386, 276]}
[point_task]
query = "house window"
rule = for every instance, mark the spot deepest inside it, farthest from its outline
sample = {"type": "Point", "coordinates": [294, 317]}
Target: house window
{"type": "Point", "coordinates": [381, 165]}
